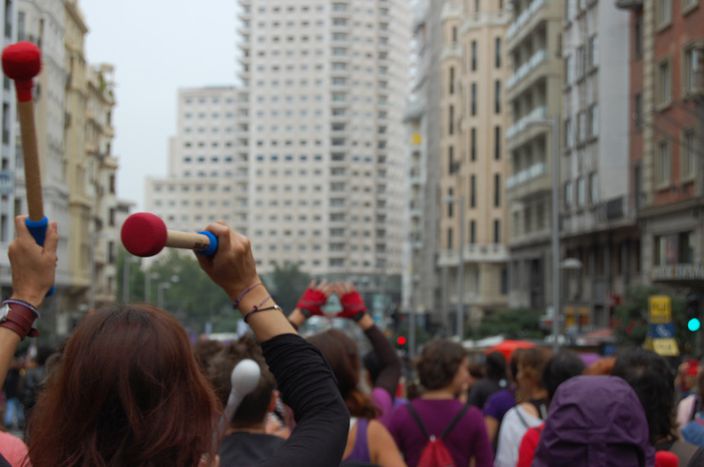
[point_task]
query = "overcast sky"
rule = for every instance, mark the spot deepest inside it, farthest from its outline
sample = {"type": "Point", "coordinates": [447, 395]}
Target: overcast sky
{"type": "Point", "coordinates": [157, 46]}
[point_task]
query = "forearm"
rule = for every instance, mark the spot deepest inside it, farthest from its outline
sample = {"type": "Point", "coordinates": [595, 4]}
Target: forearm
{"type": "Point", "coordinates": [9, 341]}
{"type": "Point", "coordinates": [266, 324]}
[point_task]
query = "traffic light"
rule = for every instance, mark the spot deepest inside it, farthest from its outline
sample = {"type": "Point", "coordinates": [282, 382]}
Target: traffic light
{"type": "Point", "coordinates": [694, 319]}
{"type": "Point", "coordinates": [401, 341]}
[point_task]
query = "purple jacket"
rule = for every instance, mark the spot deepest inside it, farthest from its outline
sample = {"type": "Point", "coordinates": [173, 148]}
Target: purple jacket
{"type": "Point", "coordinates": [595, 420]}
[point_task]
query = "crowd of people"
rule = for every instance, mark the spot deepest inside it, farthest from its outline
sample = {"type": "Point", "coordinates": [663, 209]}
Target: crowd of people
{"type": "Point", "coordinates": [128, 388]}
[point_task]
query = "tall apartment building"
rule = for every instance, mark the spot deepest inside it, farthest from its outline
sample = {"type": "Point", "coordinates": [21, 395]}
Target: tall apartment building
{"type": "Point", "coordinates": [598, 220]}
{"type": "Point", "coordinates": [534, 94]}
{"type": "Point", "coordinates": [208, 163]}
{"type": "Point", "coordinates": [421, 286]}
{"type": "Point", "coordinates": [473, 164]}
{"type": "Point", "coordinates": [327, 87]}
{"type": "Point", "coordinates": [667, 104]}
{"type": "Point", "coordinates": [8, 151]}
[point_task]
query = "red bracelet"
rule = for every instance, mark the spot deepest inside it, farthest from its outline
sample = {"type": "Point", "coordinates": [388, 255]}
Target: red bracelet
{"type": "Point", "coordinates": [19, 316]}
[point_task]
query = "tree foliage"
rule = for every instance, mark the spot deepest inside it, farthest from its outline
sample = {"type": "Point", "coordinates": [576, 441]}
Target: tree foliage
{"type": "Point", "coordinates": [286, 284]}
{"type": "Point", "coordinates": [511, 323]}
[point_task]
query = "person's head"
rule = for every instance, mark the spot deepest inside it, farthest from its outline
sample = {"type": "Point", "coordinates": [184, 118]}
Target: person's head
{"type": "Point", "coordinates": [653, 381]}
{"type": "Point", "coordinates": [513, 365]}
{"type": "Point", "coordinates": [127, 391]}
{"type": "Point", "coordinates": [531, 363]}
{"type": "Point", "coordinates": [496, 366]}
{"type": "Point", "coordinates": [561, 367]}
{"type": "Point", "coordinates": [341, 354]}
{"type": "Point", "coordinates": [443, 365]}
{"type": "Point", "coordinates": [602, 367]}
{"type": "Point", "coordinates": [204, 350]}
{"type": "Point", "coordinates": [254, 407]}
{"type": "Point", "coordinates": [595, 420]}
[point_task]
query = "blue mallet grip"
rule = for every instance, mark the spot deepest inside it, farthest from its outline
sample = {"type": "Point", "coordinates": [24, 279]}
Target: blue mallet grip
{"type": "Point", "coordinates": [212, 246]}
{"type": "Point", "coordinates": [38, 231]}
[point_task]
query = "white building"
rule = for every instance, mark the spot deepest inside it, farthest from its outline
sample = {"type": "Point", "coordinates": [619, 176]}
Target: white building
{"type": "Point", "coordinates": [327, 87]}
{"type": "Point", "coordinates": [7, 151]}
{"type": "Point", "coordinates": [208, 164]}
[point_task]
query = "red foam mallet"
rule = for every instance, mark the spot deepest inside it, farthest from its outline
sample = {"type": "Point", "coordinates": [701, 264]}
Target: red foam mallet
{"type": "Point", "coordinates": [21, 62]}
{"type": "Point", "coordinates": [145, 234]}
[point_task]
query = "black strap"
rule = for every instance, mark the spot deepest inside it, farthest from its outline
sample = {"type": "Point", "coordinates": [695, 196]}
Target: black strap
{"type": "Point", "coordinates": [447, 429]}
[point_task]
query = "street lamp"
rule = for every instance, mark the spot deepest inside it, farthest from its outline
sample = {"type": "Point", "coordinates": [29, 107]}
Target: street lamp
{"type": "Point", "coordinates": [460, 266]}
{"type": "Point", "coordinates": [554, 125]}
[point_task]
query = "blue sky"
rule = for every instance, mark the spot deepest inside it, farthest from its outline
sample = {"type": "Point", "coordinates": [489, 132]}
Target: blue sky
{"type": "Point", "coordinates": [157, 46]}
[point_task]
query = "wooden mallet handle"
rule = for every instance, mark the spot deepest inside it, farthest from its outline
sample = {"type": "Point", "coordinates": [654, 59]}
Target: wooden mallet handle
{"type": "Point", "coordinates": [145, 234]}
{"type": "Point", "coordinates": [21, 62]}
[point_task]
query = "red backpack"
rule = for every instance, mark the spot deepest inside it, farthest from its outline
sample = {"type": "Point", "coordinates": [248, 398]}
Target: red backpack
{"type": "Point", "coordinates": [435, 453]}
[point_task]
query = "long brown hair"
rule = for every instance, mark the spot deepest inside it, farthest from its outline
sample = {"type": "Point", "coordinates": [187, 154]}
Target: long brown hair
{"type": "Point", "coordinates": [127, 391]}
{"type": "Point", "coordinates": [341, 354]}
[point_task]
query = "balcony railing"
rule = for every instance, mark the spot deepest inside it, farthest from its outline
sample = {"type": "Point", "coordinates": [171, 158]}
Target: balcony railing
{"type": "Point", "coordinates": [526, 68]}
{"type": "Point", "coordinates": [532, 172]}
{"type": "Point", "coordinates": [536, 115]}
{"type": "Point", "coordinates": [524, 17]}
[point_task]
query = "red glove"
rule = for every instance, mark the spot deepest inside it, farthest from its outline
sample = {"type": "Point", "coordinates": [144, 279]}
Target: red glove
{"type": "Point", "coordinates": [353, 306]}
{"type": "Point", "coordinates": [311, 302]}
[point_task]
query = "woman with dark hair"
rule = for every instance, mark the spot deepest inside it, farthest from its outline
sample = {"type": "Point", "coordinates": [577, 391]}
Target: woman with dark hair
{"type": "Point", "coordinates": [368, 440]}
{"type": "Point", "coordinates": [128, 390]}
{"type": "Point", "coordinates": [443, 372]}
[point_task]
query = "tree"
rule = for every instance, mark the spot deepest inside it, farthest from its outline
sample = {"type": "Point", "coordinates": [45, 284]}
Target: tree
{"type": "Point", "coordinates": [512, 324]}
{"type": "Point", "coordinates": [286, 284]}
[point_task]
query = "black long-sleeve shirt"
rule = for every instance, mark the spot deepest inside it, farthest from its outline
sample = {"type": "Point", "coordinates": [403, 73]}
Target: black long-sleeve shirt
{"type": "Point", "coordinates": [390, 364]}
{"type": "Point", "coordinates": [308, 386]}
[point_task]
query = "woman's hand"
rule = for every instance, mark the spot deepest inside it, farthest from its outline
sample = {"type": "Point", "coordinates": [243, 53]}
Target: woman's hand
{"type": "Point", "coordinates": [33, 266]}
{"type": "Point", "coordinates": [233, 267]}
{"type": "Point", "coordinates": [311, 302]}
{"type": "Point", "coordinates": [353, 306]}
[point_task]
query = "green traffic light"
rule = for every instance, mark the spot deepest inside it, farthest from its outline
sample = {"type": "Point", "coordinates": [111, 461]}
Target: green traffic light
{"type": "Point", "coordinates": [694, 324]}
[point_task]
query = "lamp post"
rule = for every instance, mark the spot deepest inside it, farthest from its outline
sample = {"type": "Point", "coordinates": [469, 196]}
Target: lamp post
{"type": "Point", "coordinates": [554, 125]}
{"type": "Point", "coordinates": [570, 264]}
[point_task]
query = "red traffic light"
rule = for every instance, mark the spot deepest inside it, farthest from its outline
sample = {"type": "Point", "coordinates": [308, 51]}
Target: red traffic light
{"type": "Point", "coordinates": [401, 340]}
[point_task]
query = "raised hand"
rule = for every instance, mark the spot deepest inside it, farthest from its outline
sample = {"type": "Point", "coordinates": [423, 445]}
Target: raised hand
{"type": "Point", "coordinates": [353, 306]}
{"type": "Point", "coordinates": [33, 266]}
{"type": "Point", "coordinates": [314, 298]}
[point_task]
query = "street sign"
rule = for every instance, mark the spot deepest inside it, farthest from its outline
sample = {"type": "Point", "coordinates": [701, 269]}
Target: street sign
{"type": "Point", "coordinates": [660, 309]}
{"type": "Point", "coordinates": [7, 182]}
{"type": "Point", "coordinates": [666, 347]}
{"type": "Point", "coordinates": [662, 331]}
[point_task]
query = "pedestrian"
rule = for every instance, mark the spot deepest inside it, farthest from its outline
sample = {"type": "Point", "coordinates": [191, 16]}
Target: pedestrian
{"type": "Point", "coordinates": [128, 390]}
{"type": "Point", "coordinates": [443, 373]}
{"type": "Point", "coordinates": [560, 368]}
{"type": "Point", "coordinates": [502, 401]}
{"type": "Point", "coordinates": [494, 381]}
{"type": "Point", "coordinates": [595, 421]}
{"type": "Point", "coordinates": [531, 410]}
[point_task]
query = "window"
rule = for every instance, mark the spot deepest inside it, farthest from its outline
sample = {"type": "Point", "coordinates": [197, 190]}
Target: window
{"type": "Point", "coordinates": [450, 203]}
{"type": "Point", "coordinates": [497, 96]}
{"type": "Point", "coordinates": [497, 52]}
{"type": "Point", "coordinates": [594, 121]}
{"type": "Point", "coordinates": [689, 5]}
{"type": "Point", "coordinates": [581, 62]}
{"type": "Point", "coordinates": [568, 71]}
{"type": "Point", "coordinates": [473, 99]}
{"type": "Point", "coordinates": [693, 70]}
{"type": "Point", "coordinates": [664, 84]}
{"type": "Point", "coordinates": [663, 164]}
{"type": "Point", "coordinates": [581, 127]}
{"type": "Point", "coordinates": [638, 111]}
{"type": "Point", "coordinates": [473, 144]}
{"type": "Point", "coordinates": [454, 35]}
{"type": "Point", "coordinates": [473, 58]}
{"type": "Point", "coordinates": [568, 194]}
{"type": "Point", "coordinates": [581, 192]}
{"type": "Point", "coordinates": [451, 120]}
{"type": "Point", "coordinates": [568, 133]}
{"type": "Point", "coordinates": [593, 52]}
{"type": "Point", "coordinates": [688, 164]}
{"type": "Point", "coordinates": [472, 232]}
{"type": "Point", "coordinates": [497, 231]}
{"type": "Point", "coordinates": [450, 245]}
{"type": "Point", "coordinates": [593, 188]}
{"type": "Point", "coordinates": [497, 190]}
{"type": "Point", "coordinates": [663, 13]}
{"type": "Point", "coordinates": [450, 160]}
{"type": "Point", "coordinates": [451, 84]}
{"type": "Point", "coordinates": [497, 143]}
{"type": "Point", "coordinates": [473, 191]}
{"type": "Point", "coordinates": [638, 36]}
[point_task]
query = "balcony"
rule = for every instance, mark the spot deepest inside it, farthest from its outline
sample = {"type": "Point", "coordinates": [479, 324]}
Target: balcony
{"type": "Point", "coordinates": [451, 51]}
{"type": "Point", "coordinates": [536, 115]}
{"type": "Point", "coordinates": [523, 18]}
{"type": "Point", "coordinates": [524, 176]}
{"type": "Point", "coordinates": [682, 274]}
{"type": "Point", "coordinates": [474, 253]}
{"type": "Point", "coordinates": [526, 68]}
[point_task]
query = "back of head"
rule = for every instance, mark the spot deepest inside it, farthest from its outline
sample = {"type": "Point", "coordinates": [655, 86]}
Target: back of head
{"type": "Point", "coordinates": [531, 364]}
{"type": "Point", "coordinates": [438, 363]}
{"type": "Point", "coordinates": [496, 366]}
{"type": "Point", "coordinates": [561, 367]}
{"type": "Point", "coordinates": [653, 381]}
{"type": "Point", "coordinates": [341, 354]}
{"type": "Point", "coordinates": [127, 391]}
{"type": "Point", "coordinates": [254, 407]}
{"type": "Point", "coordinates": [595, 420]}
{"type": "Point", "coordinates": [205, 350]}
